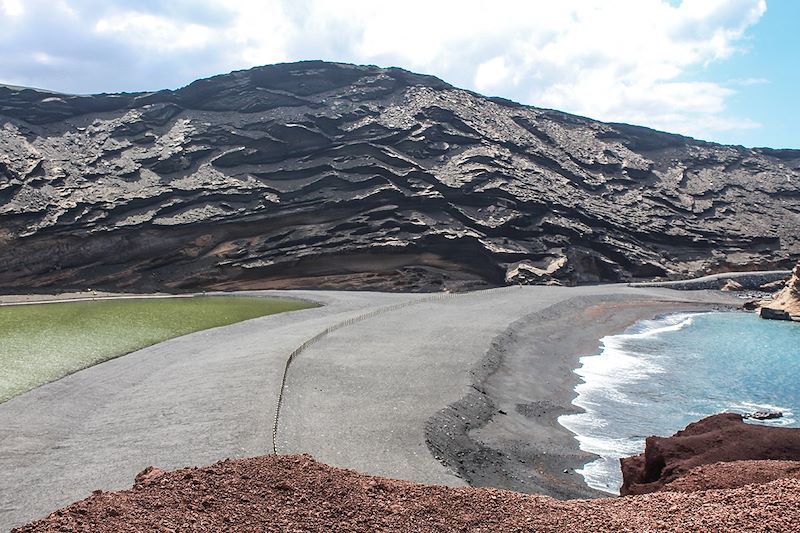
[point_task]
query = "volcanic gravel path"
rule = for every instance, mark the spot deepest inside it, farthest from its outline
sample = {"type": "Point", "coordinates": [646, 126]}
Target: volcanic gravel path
{"type": "Point", "coordinates": [359, 398]}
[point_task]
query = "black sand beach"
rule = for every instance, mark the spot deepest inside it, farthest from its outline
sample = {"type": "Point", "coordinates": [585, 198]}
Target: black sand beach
{"type": "Point", "coordinates": [505, 432]}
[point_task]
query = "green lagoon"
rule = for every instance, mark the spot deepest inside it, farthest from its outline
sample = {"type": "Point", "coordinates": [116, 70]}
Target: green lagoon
{"type": "Point", "coordinates": [40, 343]}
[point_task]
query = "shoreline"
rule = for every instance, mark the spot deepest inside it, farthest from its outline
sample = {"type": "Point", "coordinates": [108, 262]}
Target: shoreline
{"type": "Point", "coordinates": [359, 400]}
{"type": "Point", "coordinates": [505, 433]}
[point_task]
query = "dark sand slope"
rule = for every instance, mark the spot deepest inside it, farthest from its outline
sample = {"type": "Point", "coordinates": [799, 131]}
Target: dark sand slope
{"type": "Point", "coordinates": [505, 432]}
{"type": "Point", "coordinates": [359, 398]}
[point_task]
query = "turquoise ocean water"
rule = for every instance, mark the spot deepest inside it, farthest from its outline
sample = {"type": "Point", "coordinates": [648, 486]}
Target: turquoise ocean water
{"type": "Point", "coordinates": [662, 374]}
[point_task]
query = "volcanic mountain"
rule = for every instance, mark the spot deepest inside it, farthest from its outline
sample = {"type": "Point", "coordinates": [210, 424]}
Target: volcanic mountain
{"type": "Point", "coordinates": [319, 174]}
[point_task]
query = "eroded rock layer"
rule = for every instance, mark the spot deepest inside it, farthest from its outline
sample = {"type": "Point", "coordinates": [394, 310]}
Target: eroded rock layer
{"type": "Point", "coordinates": [317, 174]}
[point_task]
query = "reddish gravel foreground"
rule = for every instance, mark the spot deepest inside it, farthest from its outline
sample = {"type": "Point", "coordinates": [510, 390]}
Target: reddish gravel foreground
{"type": "Point", "coordinates": [296, 493]}
{"type": "Point", "coordinates": [733, 475]}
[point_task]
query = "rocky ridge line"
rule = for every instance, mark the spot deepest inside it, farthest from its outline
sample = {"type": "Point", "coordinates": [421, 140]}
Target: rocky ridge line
{"type": "Point", "coordinates": [319, 174]}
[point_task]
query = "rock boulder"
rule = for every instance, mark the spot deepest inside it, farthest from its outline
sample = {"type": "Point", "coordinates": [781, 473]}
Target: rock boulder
{"type": "Point", "coordinates": [731, 285]}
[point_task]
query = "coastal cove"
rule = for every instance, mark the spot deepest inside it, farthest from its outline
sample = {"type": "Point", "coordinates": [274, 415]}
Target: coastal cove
{"type": "Point", "coordinates": [506, 433]}
{"type": "Point", "coordinates": [664, 373]}
{"type": "Point", "coordinates": [396, 267]}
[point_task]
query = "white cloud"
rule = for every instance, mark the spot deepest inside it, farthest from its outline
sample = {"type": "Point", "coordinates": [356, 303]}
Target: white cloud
{"type": "Point", "coordinates": [153, 32]}
{"type": "Point", "coordinates": [260, 32]}
{"type": "Point", "coordinates": [42, 58]}
{"type": "Point", "coordinates": [617, 60]}
{"type": "Point", "coordinates": [12, 8]}
{"type": "Point", "coordinates": [493, 74]}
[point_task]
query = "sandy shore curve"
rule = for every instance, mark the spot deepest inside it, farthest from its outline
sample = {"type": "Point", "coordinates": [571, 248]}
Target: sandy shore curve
{"type": "Point", "coordinates": [366, 397]}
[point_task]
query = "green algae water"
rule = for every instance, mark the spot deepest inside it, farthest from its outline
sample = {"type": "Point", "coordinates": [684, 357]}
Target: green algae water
{"type": "Point", "coordinates": [40, 343]}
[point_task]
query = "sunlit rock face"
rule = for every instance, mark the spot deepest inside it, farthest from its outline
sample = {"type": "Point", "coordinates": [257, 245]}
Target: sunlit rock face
{"type": "Point", "coordinates": [786, 303]}
{"type": "Point", "coordinates": [329, 175]}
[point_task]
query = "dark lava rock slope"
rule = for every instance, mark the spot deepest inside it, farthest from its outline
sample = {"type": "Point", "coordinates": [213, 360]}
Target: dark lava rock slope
{"type": "Point", "coordinates": [330, 175]}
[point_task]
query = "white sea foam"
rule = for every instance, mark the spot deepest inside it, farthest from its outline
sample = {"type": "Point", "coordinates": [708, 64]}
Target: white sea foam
{"type": "Point", "coordinates": [603, 376]}
{"type": "Point", "coordinates": [618, 364]}
{"type": "Point", "coordinates": [651, 328]}
{"type": "Point", "coordinates": [601, 475]}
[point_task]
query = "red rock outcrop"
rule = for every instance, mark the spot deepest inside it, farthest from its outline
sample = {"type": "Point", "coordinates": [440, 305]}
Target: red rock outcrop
{"type": "Point", "coordinates": [733, 475]}
{"type": "Point", "coordinates": [296, 493]}
{"type": "Point", "coordinates": [786, 304]}
{"type": "Point", "coordinates": [719, 438]}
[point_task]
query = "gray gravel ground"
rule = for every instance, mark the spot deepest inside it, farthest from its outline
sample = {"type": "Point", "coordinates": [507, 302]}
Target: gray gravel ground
{"type": "Point", "coordinates": [359, 398]}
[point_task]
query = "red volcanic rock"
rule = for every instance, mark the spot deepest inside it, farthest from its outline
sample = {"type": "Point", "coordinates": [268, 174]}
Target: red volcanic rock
{"type": "Point", "coordinates": [719, 438]}
{"type": "Point", "coordinates": [148, 475]}
{"type": "Point", "coordinates": [733, 475]}
{"type": "Point", "coordinates": [296, 493]}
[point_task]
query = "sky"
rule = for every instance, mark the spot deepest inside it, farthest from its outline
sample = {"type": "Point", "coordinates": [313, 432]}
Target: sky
{"type": "Point", "coordinates": [719, 70]}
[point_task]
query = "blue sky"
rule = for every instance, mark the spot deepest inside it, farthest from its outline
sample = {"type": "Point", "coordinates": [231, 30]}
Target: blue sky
{"type": "Point", "coordinates": [720, 70]}
{"type": "Point", "coordinates": [772, 59]}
